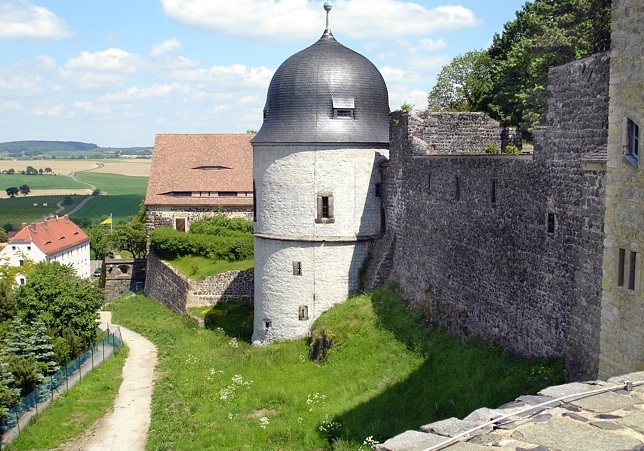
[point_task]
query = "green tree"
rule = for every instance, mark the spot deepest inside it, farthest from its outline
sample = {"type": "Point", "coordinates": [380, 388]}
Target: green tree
{"type": "Point", "coordinates": [24, 189]}
{"type": "Point", "coordinates": [54, 295]}
{"type": "Point", "coordinates": [4, 237]}
{"type": "Point", "coordinates": [131, 237]}
{"type": "Point", "coordinates": [98, 241]}
{"type": "Point", "coordinates": [543, 34]}
{"type": "Point", "coordinates": [9, 393]}
{"type": "Point", "coordinates": [460, 84]}
{"type": "Point", "coordinates": [12, 191]}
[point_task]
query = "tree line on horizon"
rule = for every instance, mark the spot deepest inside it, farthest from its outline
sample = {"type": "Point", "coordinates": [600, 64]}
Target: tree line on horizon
{"type": "Point", "coordinates": [509, 79]}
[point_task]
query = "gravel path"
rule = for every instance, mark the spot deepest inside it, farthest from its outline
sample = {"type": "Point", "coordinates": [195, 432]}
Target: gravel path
{"type": "Point", "coordinates": [126, 426]}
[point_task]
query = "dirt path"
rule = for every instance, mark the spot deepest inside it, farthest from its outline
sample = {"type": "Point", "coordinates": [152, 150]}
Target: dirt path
{"type": "Point", "coordinates": [126, 426]}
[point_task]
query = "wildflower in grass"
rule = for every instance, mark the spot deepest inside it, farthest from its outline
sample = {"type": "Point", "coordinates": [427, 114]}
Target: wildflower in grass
{"type": "Point", "coordinates": [300, 420]}
{"type": "Point", "coordinates": [227, 393]}
{"type": "Point", "coordinates": [212, 373]}
{"type": "Point", "coordinates": [233, 343]}
{"type": "Point", "coordinates": [191, 359]}
{"type": "Point", "coordinates": [330, 428]}
{"type": "Point", "coordinates": [314, 399]}
{"type": "Point", "coordinates": [302, 358]}
{"type": "Point", "coordinates": [263, 422]}
{"type": "Point", "coordinates": [231, 416]}
{"type": "Point", "coordinates": [370, 442]}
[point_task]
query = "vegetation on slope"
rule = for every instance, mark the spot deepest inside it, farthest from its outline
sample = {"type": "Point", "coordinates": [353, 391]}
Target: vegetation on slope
{"type": "Point", "coordinates": [385, 374]}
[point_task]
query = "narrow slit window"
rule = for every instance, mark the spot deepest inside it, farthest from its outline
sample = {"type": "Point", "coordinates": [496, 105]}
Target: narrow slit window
{"type": "Point", "coordinates": [631, 141]}
{"type": "Point", "coordinates": [631, 270]}
{"type": "Point", "coordinates": [303, 313]}
{"type": "Point", "coordinates": [457, 190]}
{"type": "Point", "coordinates": [297, 268]}
{"type": "Point", "coordinates": [621, 261]}
{"type": "Point", "coordinates": [493, 192]}
{"type": "Point", "coordinates": [429, 183]}
{"type": "Point", "coordinates": [551, 223]}
{"type": "Point", "coordinates": [378, 190]}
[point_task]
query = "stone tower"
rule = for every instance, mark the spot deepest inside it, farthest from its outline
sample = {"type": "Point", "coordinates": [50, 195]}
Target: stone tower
{"type": "Point", "coordinates": [317, 184]}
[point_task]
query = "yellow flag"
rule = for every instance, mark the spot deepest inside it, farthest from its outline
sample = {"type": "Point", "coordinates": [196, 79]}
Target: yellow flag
{"type": "Point", "coordinates": [108, 220]}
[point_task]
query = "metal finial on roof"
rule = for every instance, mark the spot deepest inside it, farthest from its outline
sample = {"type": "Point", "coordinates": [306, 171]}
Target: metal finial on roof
{"type": "Point", "coordinates": [327, 8]}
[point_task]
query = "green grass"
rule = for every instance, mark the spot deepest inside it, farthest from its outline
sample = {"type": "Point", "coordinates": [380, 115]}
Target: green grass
{"type": "Point", "coordinates": [21, 209]}
{"type": "Point", "coordinates": [39, 181]}
{"type": "Point", "coordinates": [122, 207]}
{"type": "Point", "coordinates": [387, 373]}
{"type": "Point", "coordinates": [198, 268]}
{"type": "Point", "coordinates": [114, 184]}
{"type": "Point", "coordinates": [74, 411]}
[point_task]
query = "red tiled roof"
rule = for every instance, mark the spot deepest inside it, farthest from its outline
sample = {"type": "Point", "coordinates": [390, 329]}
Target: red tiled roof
{"type": "Point", "coordinates": [201, 163]}
{"type": "Point", "coordinates": [52, 235]}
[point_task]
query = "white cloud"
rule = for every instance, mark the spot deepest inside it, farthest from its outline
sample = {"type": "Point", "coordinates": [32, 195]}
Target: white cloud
{"type": "Point", "coordinates": [166, 46]}
{"type": "Point", "coordinates": [109, 60]}
{"type": "Point", "coordinates": [22, 20]}
{"type": "Point", "coordinates": [93, 108]}
{"type": "Point", "coordinates": [430, 45]}
{"type": "Point", "coordinates": [295, 20]}
{"type": "Point", "coordinates": [225, 76]}
{"type": "Point", "coordinates": [50, 111]}
{"type": "Point", "coordinates": [21, 84]}
{"type": "Point", "coordinates": [47, 61]}
{"type": "Point", "coordinates": [153, 92]}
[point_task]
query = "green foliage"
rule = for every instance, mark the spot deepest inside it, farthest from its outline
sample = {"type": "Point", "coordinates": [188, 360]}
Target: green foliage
{"type": "Point", "coordinates": [12, 191]}
{"type": "Point", "coordinates": [4, 237]}
{"type": "Point", "coordinates": [169, 243]}
{"type": "Point", "coordinates": [24, 189]}
{"type": "Point", "coordinates": [74, 411]}
{"type": "Point", "coordinates": [198, 268]}
{"type": "Point", "coordinates": [234, 318]}
{"type": "Point", "coordinates": [222, 225]}
{"type": "Point", "coordinates": [98, 240]}
{"type": "Point", "coordinates": [459, 84]}
{"type": "Point", "coordinates": [386, 373]}
{"type": "Point", "coordinates": [406, 107]}
{"type": "Point", "coordinates": [54, 295]}
{"type": "Point", "coordinates": [512, 150]}
{"type": "Point", "coordinates": [491, 149]}
{"type": "Point", "coordinates": [131, 237]}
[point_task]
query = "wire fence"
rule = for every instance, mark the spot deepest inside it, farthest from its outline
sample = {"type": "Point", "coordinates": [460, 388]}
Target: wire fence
{"type": "Point", "coordinates": [61, 381]}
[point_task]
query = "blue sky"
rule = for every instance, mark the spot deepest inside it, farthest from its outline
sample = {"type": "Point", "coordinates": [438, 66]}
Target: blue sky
{"type": "Point", "coordinates": [116, 72]}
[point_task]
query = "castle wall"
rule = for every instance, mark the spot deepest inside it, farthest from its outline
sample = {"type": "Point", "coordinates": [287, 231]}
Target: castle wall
{"type": "Point", "coordinates": [158, 216]}
{"type": "Point", "coordinates": [507, 247]}
{"type": "Point", "coordinates": [168, 287]}
{"type": "Point", "coordinates": [622, 332]}
{"type": "Point", "coordinates": [461, 133]}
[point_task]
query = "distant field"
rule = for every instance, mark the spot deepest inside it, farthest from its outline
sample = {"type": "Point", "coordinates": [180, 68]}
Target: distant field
{"type": "Point", "coordinates": [122, 166]}
{"type": "Point", "coordinates": [21, 209]}
{"type": "Point", "coordinates": [124, 181]}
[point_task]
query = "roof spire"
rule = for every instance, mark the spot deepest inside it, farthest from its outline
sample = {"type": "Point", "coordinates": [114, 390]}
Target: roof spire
{"type": "Point", "coordinates": [327, 8]}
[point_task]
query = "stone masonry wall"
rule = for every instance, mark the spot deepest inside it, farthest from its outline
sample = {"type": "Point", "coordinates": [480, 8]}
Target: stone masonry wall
{"type": "Point", "coordinates": [178, 293]}
{"type": "Point", "coordinates": [622, 334]}
{"type": "Point", "coordinates": [123, 275]}
{"type": "Point", "coordinates": [442, 133]}
{"type": "Point", "coordinates": [157, 216]}
{"type": "Point", "coordinates": [507, 247]}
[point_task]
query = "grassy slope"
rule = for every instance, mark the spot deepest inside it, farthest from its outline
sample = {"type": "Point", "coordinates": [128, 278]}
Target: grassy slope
{"type": "Point", "coordinates": [385, 375]}
{"type": "Point", "coordinates": [198, 268]}
{"type": "Point", "coordinates": [20, 209]}
{"type": "Point", "coordinates": [39, 182]}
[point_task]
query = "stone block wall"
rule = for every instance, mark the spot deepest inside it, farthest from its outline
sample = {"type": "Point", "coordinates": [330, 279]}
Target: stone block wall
{"type": "Point", "coordinates": [507, 247]}
{"type": "Point", "coordinates": [622, 331]}
{"type": "Point", "coordinates": [177, 292]}
{"type": "Point", "coordinates": [443, 133]}
{"type": "Point", "coordinates": [157, 216]}
{"type": "Point", "coordinates": [123, 275]}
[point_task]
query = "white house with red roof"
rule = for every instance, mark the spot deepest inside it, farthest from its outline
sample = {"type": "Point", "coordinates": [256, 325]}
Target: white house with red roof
{"type": "Point", "coordinates": [55, 239]}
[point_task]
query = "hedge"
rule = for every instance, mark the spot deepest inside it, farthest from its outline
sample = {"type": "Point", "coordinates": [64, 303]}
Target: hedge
{"type": "Point", "coordinates": [169, 243]}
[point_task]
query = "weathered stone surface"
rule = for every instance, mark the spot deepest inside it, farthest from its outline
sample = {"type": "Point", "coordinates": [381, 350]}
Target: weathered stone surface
{"type": "Point", "coordinates": [410, 441]}
{"type": "Point", "coordinates": [605, 402]}
{"type": "Point", "coordinates": [605, 425]}
{"type": "Point", "coordinates": [572, 436]}
{"type": "Point", "coordinates": [635, 421]}
{"type": "Point", "coordinates": [449, 427]}
{"type": "Point", "coordinates": [574, 388]}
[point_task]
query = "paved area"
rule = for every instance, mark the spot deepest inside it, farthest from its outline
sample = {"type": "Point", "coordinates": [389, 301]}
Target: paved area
{"type": "Point", "coordinates": [592, 416]}
{"type": "Point", "coordinates": [126, 426]}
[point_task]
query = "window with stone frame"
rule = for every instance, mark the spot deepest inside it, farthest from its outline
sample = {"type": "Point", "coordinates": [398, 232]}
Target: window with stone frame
{"type": "Point", "coordinates": [324, 208]}
{"type": "Point", "coordinates": [626, 268]}
{"type": "Point", "coordinates": [180, 224]}
{"type": "Point", "coordinates": [631, 141]}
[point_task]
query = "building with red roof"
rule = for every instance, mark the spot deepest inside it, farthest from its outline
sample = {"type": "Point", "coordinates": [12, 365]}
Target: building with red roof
{"type": "Point", "coordinates": [55, 239]}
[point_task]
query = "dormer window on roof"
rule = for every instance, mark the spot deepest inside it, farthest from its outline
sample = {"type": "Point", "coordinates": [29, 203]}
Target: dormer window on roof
{"type": "Point", "coordinates": [343, 107]}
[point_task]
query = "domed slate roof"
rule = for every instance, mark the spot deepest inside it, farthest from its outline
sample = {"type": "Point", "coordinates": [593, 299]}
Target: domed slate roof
{"type": "Point", "coordinates": [326, 93]}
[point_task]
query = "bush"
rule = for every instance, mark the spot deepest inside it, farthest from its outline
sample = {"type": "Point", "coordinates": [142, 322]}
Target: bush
{"type": "Point", "coordinates": [169, 243]}
{"type": "Point", "coordinates": [491, 149]}
{"type": "Point", "coordinates": [512, 150]}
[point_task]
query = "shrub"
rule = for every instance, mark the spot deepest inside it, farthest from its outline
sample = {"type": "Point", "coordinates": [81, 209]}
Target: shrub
{"type": "Point", "coordinates": [169, 243]}
{"type": "Point", "coordinates": [512, 150]}
{"type": "Point", "coordinates": [491, 149]}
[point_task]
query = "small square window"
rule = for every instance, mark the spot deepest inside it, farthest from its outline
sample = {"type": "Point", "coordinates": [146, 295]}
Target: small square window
{"type": "Point", "coordinates": [28, 248]}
